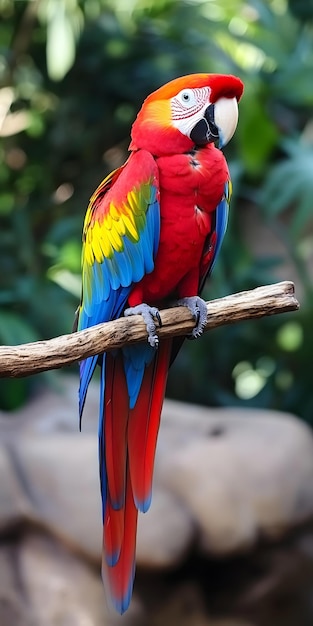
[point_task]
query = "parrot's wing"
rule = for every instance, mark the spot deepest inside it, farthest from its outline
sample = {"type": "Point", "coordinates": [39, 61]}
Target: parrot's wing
{"type": "Point", "coordinates": [215, 239]}
{"type": "Point", "coordinates": [120, 240]}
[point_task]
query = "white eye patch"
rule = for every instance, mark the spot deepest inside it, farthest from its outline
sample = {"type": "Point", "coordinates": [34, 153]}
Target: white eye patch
{"type": "Point", "coordinates": [188, 102]}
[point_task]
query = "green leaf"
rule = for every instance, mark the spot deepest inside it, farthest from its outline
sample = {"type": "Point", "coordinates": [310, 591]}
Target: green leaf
{"type": "Point", "coordinates": [257, 133]}
{"type": "Point", "coordinates": [290, 183]}
{"type": "Point", "coordinates": [6, 203]}
{"type": "Point", "coordinates": [60, 43]}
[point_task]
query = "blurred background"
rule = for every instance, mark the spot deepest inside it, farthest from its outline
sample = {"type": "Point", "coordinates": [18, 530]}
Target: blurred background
{"type": "Point", "coordinates": [214, 549]}
{"type": "Point", "coordinates": [73, 74]}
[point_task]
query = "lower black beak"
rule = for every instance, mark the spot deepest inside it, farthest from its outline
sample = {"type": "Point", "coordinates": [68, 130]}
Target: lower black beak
{"type": "Point", "coordinates": [205, 131]}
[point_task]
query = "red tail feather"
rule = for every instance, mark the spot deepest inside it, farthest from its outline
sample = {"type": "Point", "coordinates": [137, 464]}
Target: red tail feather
{"type": "Point", "coordinates": [115, 425]}
{"type": "Point", "coordinates": [113, 533]}
{"type": "Point", "coordinates": [120, 577]}
{"type": "Point", "coordinates": [143, 426]}
{"type": "Point", "coordinates": [130, 442]}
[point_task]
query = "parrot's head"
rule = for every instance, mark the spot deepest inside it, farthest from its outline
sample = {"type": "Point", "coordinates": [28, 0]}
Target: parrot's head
{"type": "Point", "coordinates": [190, 111]}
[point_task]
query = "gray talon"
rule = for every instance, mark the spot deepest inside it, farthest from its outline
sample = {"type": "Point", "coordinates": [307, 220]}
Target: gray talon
{"type": "Point", "coordinates": [158, 316]}
{"type": "Point", "coordinates": [149, 314]}
{"type": "Point", "coordinates": [198, 309]}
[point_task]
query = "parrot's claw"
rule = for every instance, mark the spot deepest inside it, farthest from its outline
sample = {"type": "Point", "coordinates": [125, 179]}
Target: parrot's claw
{"type": "Point", "coordinates": [198, 309]}
{"type": "Point", "coordinates": [149, 314]}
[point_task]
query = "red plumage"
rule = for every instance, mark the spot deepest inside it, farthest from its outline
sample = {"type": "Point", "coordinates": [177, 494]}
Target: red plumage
{"type": "Point", "coordinates": [152, 232]}
{"type": "Point", "coordinates": [143, 428]}
{"type": "Point", "coordinates": [191, 186]}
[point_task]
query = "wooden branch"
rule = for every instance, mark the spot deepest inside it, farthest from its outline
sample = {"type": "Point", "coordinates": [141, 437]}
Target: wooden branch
{"type": "Point", "coordinates": [31, 358]}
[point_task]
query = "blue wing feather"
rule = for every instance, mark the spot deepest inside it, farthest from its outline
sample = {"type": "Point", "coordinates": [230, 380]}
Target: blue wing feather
{"type": "Point", "coordinates": [106, 285]}
{"type": "Point", "coordinates": [221, 221]}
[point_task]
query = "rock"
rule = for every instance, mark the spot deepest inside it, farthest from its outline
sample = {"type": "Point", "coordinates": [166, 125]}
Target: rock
{"type": "Point", "coordinates": [224, 478]}
{"type": "Point", "coordinates": [13, 606]}
{"type": "Point", "coordinates": [41, 583]}
{"type": "Point", "coordinates": [184, 604]}
{"type": "Point", "coordinates": [60, 477]}
{"type": "Point", "coordinates": [165, 533]}
{"type": "Point", "coordinates": [73, 595]}
{"type": "Point", "coordinates": [54, 410]}
{"type": "Point", "coordinates": [241, 473]}
{"type": "Point", "coordinates": [14, 504]}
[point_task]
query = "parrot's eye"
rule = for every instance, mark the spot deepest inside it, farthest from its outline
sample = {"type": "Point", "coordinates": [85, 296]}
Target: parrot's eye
{"type": "Point", "coordinates": [189, 102]}
{"type": "Point", "coordinates": [187, 98]}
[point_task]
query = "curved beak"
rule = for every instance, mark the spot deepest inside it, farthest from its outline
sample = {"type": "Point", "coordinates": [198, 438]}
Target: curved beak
{"type": "Point", "coordinates": [218, 123]}
{"type": "Point", "coordinates": [205, 131]}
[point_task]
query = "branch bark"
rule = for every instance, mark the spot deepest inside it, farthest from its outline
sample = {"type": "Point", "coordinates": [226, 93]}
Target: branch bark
{"type": "Point", "coordinates": [32, 358]}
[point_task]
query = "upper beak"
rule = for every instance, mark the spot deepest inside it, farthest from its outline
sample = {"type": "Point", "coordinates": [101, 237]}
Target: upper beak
{"type": "Point", "coordinates": [218, 123]}
{"type": "Point", "coordinates": [205, 131]}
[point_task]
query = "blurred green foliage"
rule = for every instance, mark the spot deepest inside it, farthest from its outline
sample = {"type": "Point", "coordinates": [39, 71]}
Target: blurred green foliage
{"type": "Point", "coordinates": [73, 74]}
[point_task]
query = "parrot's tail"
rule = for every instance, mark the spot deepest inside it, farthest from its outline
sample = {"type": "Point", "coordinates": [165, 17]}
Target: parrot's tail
{"type": "Point", "coordinates": [127, 443]}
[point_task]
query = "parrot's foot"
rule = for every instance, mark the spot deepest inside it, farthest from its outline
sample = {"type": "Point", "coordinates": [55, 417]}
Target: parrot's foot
{"type": "Point", "coordinates": [198, 310]}
{"type": "Point", "coordinates": [149, 314]}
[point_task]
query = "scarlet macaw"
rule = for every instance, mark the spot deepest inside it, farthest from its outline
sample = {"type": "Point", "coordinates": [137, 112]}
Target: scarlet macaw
{"type": "Point", "coordinates": [151, 234]}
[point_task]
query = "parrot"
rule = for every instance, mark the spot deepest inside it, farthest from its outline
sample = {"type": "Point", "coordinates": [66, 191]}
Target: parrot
{"type": "Point", "coordinates": [152, 232]}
